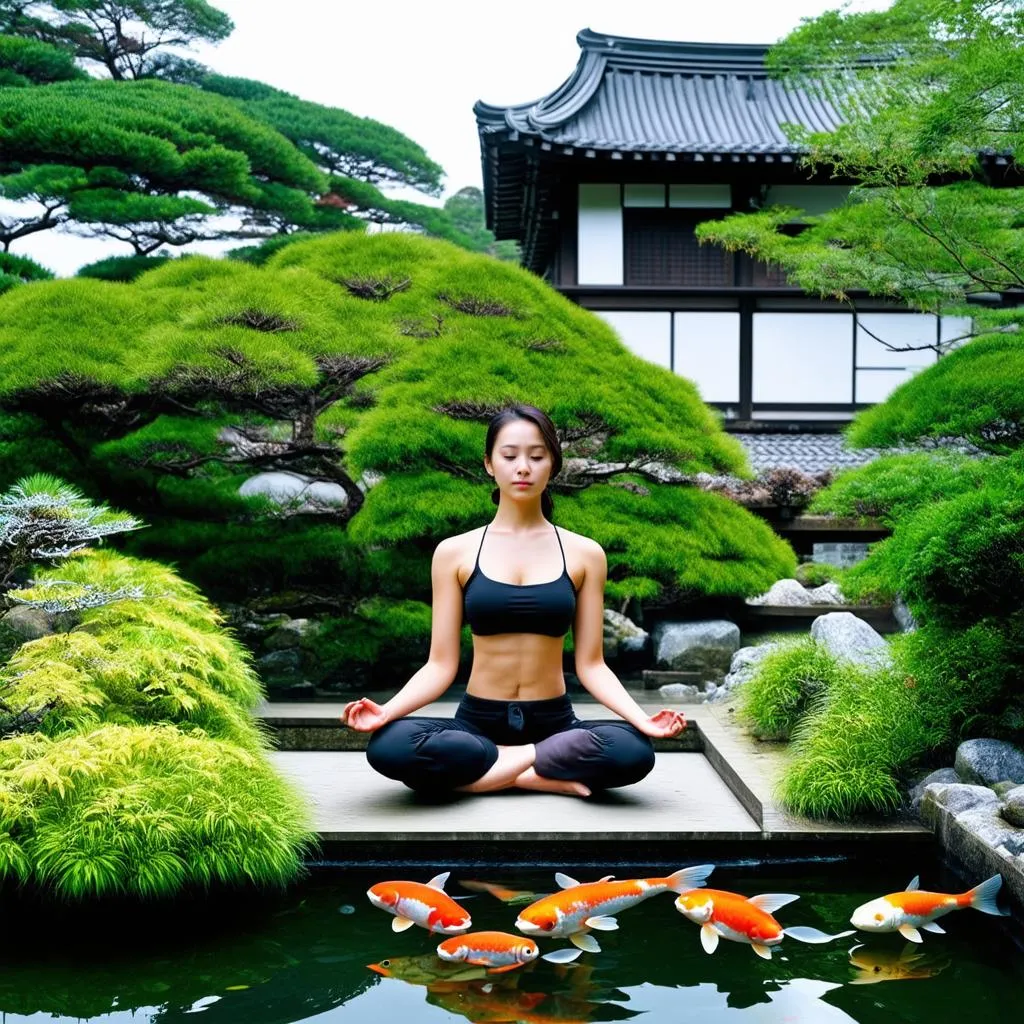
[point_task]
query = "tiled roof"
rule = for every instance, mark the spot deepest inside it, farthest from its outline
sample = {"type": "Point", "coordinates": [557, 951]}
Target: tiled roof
{"type": "Point", "coordinates": [637, 95]}
{"type": "Point", "coordinates": [811, 453]}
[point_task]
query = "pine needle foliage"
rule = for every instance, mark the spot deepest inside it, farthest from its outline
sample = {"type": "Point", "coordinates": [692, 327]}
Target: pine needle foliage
{"type": "Point", "coordinates": [151, 376]}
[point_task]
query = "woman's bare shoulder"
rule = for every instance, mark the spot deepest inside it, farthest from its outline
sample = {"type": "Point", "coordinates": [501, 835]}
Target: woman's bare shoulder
{"type": "Point", "coordinates": [455, 546]}
{"type": "Point", "coordinates": [584, 546]}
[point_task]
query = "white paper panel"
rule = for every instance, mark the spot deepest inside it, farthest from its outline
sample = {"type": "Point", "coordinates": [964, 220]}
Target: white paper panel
{"type": "Point", "coordinates": [648, 335]}
{"type": "Point", "coordinates": [803, 357]}
{"type": "Point", "coordinates": [955, 327]}
{"type": "Point", "coordinates": [708, 353]}
{"type": "Point", "coordinates": [877, 385]}
{"type": "Point", "coordinates": [600, 235]}
{"type": "Point", "coordinates": [896, 329]}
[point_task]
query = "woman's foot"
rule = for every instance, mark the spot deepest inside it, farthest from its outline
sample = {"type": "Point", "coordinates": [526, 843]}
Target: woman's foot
{"type": "Point", "coordinates": [531, 780]}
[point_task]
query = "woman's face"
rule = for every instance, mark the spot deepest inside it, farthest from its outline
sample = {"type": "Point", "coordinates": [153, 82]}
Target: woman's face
{"type": "Point", "coordinates": [520, 461]}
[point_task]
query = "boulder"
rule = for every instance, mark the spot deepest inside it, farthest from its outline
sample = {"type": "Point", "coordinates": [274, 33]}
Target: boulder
{"type": "Point", "coordinates": [682, 692]}
{"type": "Point", "coordinates": [942, 776]}
{"type": "Point", "coordinates": [28, 623]}
{"type": "Point", "coordinates": [994, 831]}
{"type": "Point", "coordinates": [279, 663]}
{"type": "Point", "coordinates": [622, 635]}
{"type": "Point", "coordinates": [987, 762]}
{"type": "Point", "coordinates": [827, 593]}
{"type": "Point", "coordinates": [785, 592]}
{"type": "Point", "coordinates": [704, 646]}
{"type": "Point", "coordinates": [847, 637]}
{"type": "Point", "coordinates": [958, 797]}
{"type": "Point", "coordinates": [291, 633]}
{"type": "Point", "coordinates": [741, 668]}
{"type": "Point", "coordinates": [296, 491]}
{"type": "Point", "coordinates": [1013, 809]}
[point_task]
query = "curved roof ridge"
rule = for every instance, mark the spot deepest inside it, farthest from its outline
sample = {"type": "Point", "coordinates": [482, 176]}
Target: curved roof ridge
{"type": "Point", "coordinates": [682, 56]}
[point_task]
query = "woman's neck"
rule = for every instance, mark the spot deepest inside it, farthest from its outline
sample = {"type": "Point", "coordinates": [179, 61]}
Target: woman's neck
{"type": "Point", "coordinates": [519, 519]}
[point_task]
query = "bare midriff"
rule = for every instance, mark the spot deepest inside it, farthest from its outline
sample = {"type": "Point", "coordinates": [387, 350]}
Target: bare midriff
{"type": "Point", "coordinates": [517, 666]}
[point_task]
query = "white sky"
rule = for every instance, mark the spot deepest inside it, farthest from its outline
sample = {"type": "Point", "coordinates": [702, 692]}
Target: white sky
{"type": "Point", "coordinates": [420, 65]}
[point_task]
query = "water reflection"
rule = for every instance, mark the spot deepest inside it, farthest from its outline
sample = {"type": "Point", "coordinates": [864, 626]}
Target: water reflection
{"type": "Point", "coordinates": [879, 963]}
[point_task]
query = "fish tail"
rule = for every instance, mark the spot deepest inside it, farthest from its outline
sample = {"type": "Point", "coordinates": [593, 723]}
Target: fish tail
{"type": "Point", "coordinates": [983, 897]}
{"type": "Point", "coordinates": [689, 878]}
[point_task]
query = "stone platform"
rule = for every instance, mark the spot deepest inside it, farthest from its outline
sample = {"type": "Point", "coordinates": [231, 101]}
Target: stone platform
{"type": "Point", "coordinates": [711, 790]}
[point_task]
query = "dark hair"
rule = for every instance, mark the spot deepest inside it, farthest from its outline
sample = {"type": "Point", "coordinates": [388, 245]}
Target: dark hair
{"type": "Point", "coordinates": [548, 432]}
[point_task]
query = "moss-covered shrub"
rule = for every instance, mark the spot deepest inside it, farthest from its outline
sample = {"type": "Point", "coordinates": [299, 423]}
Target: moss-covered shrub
{"type": "Point", "coordinates": [121, 268]}
{"type": "Point", "coordinates": [815, 574]}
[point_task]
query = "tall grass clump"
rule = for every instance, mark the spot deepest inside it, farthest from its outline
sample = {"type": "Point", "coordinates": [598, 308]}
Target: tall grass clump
{"type": "Point", "coordinates": [849, 749]}
{"type": "Point", "coordinates": [783, 682]}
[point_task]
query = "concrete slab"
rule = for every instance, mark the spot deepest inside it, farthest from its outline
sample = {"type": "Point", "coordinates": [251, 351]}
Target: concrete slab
{"type": "Point", "coordinates": [683, 797]}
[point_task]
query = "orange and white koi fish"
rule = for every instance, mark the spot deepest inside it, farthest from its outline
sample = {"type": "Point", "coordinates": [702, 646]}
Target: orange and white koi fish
{"type": "Point", "coordinates": [427, 905]}
{"type": "Point", "coordinates": [499, 951]}
{"type": "Point", "coordinates": [727, 915]}
{"type": "Point", "coordinates": [914, 908]}
{"type": "Point", "coordinates": [578, 908]}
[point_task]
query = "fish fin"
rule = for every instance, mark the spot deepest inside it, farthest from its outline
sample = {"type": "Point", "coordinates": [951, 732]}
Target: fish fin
{"type": "Point", "coordinates": [564, 881]}
{"type": "Point", "coordinates": [689, 878]}
{"type": "Point", "coordinates": [983, 896]}
{"type": "Point", "coordinates": [769, 902]}
{"type": "Point", "coordinates": [437, 882]}
{"type": "Point", "coordinates": [910, 954]}
{"type": "Point", "coordinates": [400, 924]}
{"type": "Point", "coordinates": [602, 923]}
{"type": "Point", "coordinates": [709, 938]}
{"type": "Point", "coordinates": [764, 952]}
{"type": "Point", "coordinates": [910, 933]}
{"type": "Point", "coordinates": [914, 883]}
{"type": "Point", "coordinates": [607, 878]}
{"type": "Point", "coordinates": [931, 926]}
{"type": "Point", "coordinates": [585, 942]}
{"type": "Point", "coordinates": [502, 970]}
{"type": "Point", "coordinates": [867, 979]}
{"type": "Point", "coordinates": [562, 956]}
{"type": "Point", "coordinates": [804, 934]}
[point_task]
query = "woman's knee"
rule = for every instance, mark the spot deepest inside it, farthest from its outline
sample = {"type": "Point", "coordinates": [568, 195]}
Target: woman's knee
{"type": "Point", "coordinates": [629, 754]}
{"type": "Point", "coordinates": [392, 748]}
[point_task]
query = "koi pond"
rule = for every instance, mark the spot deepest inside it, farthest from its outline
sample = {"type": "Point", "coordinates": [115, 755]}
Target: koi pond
{"type": "Point", "coordinates": [303, 955]}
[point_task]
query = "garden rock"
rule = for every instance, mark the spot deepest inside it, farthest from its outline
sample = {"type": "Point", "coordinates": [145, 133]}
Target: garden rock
{"type": "Point", "coordinates": [845, 636]}
{"type": "Point", "coordinates": [682, 692]}
{"type": "Point", "coordinates": [706, 646]}
{"type": "Point", "coordinates": [296, 491]}
{"type": "Point", "coordinates": [987, 762]}
{"type": "Point", "coordinates": [741, 668]}
{"type": "Point", "coordinates": [827, 593]}
{"type": "Point", "coordinates": [279, 663]}
{"type": "Point", "coordinates": [991, 829]}
{"type": "Point", "coordinates": [942, 776]}
{"type": "Point", "coordinates": [28, 623]}
{"type": "Point", "coordinates": [622, 635]}
{"type": "Point", "coordinates": [958, 797]}
{"type": "Point", "coordinates": [291, 633]}
{"type": "Point", "coordinates": [1013, 809]}
{"type": "Point", "coordinates": [785, 592]}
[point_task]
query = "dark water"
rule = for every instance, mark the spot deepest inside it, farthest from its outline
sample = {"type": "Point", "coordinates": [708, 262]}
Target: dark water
{"type": "Point", "coordinates": [302, 956]}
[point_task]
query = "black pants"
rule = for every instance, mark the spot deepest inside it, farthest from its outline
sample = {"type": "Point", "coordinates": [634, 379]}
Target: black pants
{"type": "Point", "coordinates": [438, 754]}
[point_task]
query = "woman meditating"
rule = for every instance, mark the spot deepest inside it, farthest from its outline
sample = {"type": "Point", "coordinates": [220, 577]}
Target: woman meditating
{"type": "Point", "coordinates": [521, 584]}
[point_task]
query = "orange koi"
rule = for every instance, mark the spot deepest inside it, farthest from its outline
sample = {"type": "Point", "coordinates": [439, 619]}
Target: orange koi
{"type": "Point", "coordinates": [499, 951]}
{"type": "Point", "coordinates": [427, 905]}
{"type": "Point", "coordinates": [578, 908]}
{"type": "Point", "coordinates": [727, 915]}
{"type": "Point", "coordinates": [915, 908]}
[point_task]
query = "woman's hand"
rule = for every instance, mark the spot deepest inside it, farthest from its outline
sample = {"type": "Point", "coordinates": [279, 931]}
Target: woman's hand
{"type": "Point", "coordinates": [363, 715]}
{"type": "Point", "coordinates": [663, 725]}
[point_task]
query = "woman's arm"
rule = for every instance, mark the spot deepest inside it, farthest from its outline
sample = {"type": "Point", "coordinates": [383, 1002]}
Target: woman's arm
{"type": "Point", "coordinates": [588, 639]}
{"type": "Point", "coordinates": [442, 664]}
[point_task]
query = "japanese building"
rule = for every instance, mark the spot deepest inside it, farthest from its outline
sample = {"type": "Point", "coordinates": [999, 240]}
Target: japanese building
{"type": "Point", "coordinates": [602, 183]}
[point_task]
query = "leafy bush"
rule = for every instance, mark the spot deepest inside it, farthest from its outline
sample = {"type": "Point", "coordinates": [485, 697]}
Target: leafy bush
{"type": "Point", "coordinates": [121, 268]}
{"type": "Point", "coordinates": [817, 573]}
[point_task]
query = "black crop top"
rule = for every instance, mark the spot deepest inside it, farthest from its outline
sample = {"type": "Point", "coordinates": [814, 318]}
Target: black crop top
{"type": "Point", "coordinates": [491, 607]}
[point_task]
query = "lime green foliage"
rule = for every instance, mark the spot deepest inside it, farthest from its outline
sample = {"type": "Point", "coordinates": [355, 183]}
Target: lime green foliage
{"type": "Point", "coordinates": [148, 772]}
{"type": "Point", "coordinates": [144, 811]}
{"type": "Point", "coordinates": [121, 268]}
{"type": "Point", "coordinates": [19, 270]}
{"type": "Point", "coordinates": [31, 62]}
{"type": "Point", "coordinates": [892, 487]}
{"type": "Point", "coordinates": [816, 573]}
{"type": "Point", "coordinates": [777, 694]}
{"type": "Point", "coordinates": [848, 749]}
{"type": "Point", "coordinates": [976, 392]}
{"type": "Point", "coordinates": [338, 385]}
